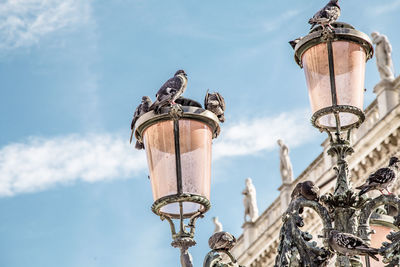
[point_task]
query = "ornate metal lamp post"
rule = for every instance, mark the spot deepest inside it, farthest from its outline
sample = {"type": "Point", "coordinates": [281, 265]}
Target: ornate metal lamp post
{"type": "Point", "coordinates": [178, 147]}
{"type": "Point", "coordinates": [334, 66]}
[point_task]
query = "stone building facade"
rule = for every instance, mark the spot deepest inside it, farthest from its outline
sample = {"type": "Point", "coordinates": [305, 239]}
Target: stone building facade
{"type": "Point", "coordinates": [374, 143]}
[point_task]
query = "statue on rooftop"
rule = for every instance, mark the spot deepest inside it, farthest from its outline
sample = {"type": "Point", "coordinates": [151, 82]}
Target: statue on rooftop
{"type": "Point", "coordinates": [285, 164]}
{"type": "Point", "coordinates": [383, 54]}
{"type": "Point", "coordinates": [218, 225]}
{"type": "Point", "coordinates": [250, 201]}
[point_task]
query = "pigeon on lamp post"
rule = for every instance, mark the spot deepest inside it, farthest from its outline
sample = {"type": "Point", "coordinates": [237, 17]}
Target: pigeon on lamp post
{"type": "Point", "coordinates": [170, 91]}
{"type": "Point", "coordinates": [327, 15]}
{"type": "Point", "coordinates": [140, 110]}
{"type": "Point", "coordinates": [307, 189]}
{"type": "Point", "coordinates": [382, 179]}
{"type": "Point", "coordinates": [350, 245]}
{"type": "Point", "coordinates": [215, 103]}
{"type": "Point", "coordinates": [222, 240]}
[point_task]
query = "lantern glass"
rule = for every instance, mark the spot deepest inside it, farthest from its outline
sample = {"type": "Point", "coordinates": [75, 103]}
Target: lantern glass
{"type": "Point", "coordinates": [349, 69]}
{"type": "Point", "coordinates": [377, 239]}
{"type": "Point", "coordinates": [195, 152]}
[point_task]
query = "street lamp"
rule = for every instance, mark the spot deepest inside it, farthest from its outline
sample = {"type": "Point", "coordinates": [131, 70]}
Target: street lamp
{"type": "Point", "coordinates": [178, 148]}
{"type": "Point", "coordinates": [334, 65]}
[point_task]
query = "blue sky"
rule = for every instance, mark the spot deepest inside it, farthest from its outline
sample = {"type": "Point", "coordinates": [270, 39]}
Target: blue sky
{"type": "Point", "coordinates": [72, 190]}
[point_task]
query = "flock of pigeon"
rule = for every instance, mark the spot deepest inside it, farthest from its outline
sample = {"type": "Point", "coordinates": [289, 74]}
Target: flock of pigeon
{"type": "Point", "coordinates": [382, 179]}
{"type": "Point", "coordinates": [345, 243]}
{"type": "Point", "coordinates": [170, 93]}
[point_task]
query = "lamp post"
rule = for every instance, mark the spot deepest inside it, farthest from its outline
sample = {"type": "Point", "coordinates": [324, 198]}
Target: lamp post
{"type": "Point", "coordinates": [178, 147]}
{"type": "Point", "coordinates": [334, 65]}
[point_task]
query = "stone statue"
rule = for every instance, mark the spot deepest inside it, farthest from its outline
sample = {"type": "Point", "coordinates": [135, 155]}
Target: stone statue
{"type": "Point", "coordinates": [218, 225]}
{"type": "Point", "coordinates": [250, 201]}
{"type": "Point", "coordinates": [383, 53]}
{"type": "Point", "coordinates": [285, 164]}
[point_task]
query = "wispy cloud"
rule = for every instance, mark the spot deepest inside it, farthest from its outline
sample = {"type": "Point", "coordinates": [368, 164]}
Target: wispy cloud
{"type": "Point", "coordinates": [41, 163]}
{"type": "Point", "coordinates": [273, 24]}
{"type": "Point", "coordinates": [385, 7]}
{"type": "Point", "coordinates": [24, 22]}
{"type": "Point", "coordinates": [255, 135]}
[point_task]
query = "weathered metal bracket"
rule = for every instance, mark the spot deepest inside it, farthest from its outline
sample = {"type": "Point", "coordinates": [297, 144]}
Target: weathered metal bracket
{"type": "Point", "coordinates": [214, 259]}
{"type": "Point", "coordinates": [294, 249]}
{"type": "Point", "coordinates": [389, 251]}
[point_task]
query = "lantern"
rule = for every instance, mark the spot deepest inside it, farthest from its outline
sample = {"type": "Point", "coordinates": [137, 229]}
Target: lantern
{"type": "Point", "coordinates": [334, 66]}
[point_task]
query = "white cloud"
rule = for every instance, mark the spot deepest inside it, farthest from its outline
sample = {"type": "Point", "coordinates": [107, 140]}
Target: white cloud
{"type": "Point", "coordinates": [255, 135]}
{"type": "Point", "coordinates": [24, 22]}
{"type": "Point", "coordinates": [41, 163]}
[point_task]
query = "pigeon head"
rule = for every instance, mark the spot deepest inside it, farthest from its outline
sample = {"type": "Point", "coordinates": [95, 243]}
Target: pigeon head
{"type": "Point", "coordinates": [145, 99]}
{"type": "Point", "coordinates": [334, 3]}
{"type": "Point", "coordinates": [180, 72]}
{"type": "Point", "coordinates": [393, 161]}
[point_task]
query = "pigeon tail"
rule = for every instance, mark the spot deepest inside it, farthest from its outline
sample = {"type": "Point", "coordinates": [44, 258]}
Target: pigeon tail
{"type": "Point", "coordinates": [371, 252]}
{"type": "Point", "coordinates": [130, 139]}
{"type": "Point", "coordinates": [139, 146]}
{"type": "Point", "coordinates": [364, 189]}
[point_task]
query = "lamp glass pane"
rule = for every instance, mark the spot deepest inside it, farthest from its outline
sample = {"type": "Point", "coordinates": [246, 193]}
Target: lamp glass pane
{"type": "Point", "coordinates": [376, 242]}
{"type": "Point", "coordinates": [195, 147]}
{"type": "Point", "coordinates": [349, 64]}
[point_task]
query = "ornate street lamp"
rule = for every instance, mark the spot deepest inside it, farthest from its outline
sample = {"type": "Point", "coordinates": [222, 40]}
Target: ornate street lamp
{"type": "Point", "coordinates": [178, 148]}
{"type": "Point", "coordinates": [334, 65]}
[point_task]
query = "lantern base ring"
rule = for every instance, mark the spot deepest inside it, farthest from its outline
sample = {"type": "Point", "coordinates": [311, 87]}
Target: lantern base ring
{"type": "Point", "coordinates": [161, 202]}
{"type": "Point", "coordinates": [334, 110]}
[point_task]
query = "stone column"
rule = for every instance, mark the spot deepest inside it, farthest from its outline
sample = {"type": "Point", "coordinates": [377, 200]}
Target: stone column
{"type": "Point", "coordinates": [387, 92]}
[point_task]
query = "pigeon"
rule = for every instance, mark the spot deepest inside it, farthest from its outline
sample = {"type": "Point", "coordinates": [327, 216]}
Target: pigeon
{"type": "Point", "coordinates": [222, 240]}
{"type": "Point", "coordinates": [350, 245]}
{"type": "Point", "coordinates": [170, 91]}
{"type": "Point", "coordinates": [294, 42]}
{"type": "Point", "coordinates": [215, 103]}
{"type": "Point", "coordinates": [382, 178]}
{"type": "Point", "coordinates": [140, 110]}
{"type": "Point", "coordinates": [327, 15]}
{"type": "Point", "coordinates": [307, 189]}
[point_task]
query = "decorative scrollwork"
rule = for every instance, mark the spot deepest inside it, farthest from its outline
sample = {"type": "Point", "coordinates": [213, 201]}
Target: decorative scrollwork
{"type": "Point", "coordinates": [389, 251]}
{"type": "Point", "coordinates": [295, 248]}
{"type": "Point", "coordinates": [214, 258]}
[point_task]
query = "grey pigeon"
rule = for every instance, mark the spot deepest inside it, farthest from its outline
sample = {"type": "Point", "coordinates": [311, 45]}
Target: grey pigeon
{"type": "Point", "coordinates": [327, 15]}
{"type": "Point", "coordinates": [222, 240]}
{"type": "Point", "coordinates": [140, 110]}
{"type": "Point", "coordinates": [307, 189]}
{"type": "Point", "coordinates": [382, 178]}
{"type": "Point", "coordinates": [215, 103]}
{"type": "Point", "coordinates": [170, 91]}
{"type": "Point", "coordinates": [350, 245]}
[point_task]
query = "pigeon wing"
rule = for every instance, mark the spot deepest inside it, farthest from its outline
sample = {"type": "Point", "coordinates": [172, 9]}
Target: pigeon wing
{"type": "Point", "coordinates": [221, 100]}
{"type": "Point", "coordinates": [349, 241]}
{"type": "Point", "coordinates": [136, 116]}
{"type": "Point", "coordinates": [381, 176]}
{"type": "Point", "coordinates": [173, 83]}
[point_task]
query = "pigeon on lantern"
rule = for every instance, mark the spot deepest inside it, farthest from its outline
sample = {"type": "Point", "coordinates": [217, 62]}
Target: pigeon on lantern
{"type": "Point", "coordinates": [327, 15]}
{"type": "Point", "coordinates": [215, 103]}
{"type": "Point", "coordinates": [307, 189]}
{"type": "Point", "coordinates": [140, 110]}
{"type": "Point", "coordinates": [382, 178]}
{"type": "Point", "coordinates": [222, 240]}
{"type": "Point", "coordinates": [294, 42]}
{"type": "Point", "coordinates": [350, 245]}
{"type": "Point", "coordinates": [170, 91]}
